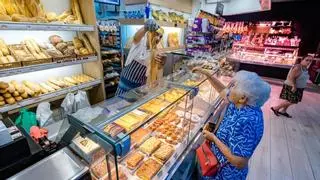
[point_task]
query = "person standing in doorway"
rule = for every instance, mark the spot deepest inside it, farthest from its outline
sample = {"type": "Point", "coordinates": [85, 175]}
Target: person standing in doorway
{"type": "Point", "coordinates": [293, 87]}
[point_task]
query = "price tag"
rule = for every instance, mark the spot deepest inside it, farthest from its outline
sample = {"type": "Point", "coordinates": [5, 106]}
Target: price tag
{"type": "Point", "coordinates": [168, 164]}
{"type": "Point", "coordinates": [159, 174]}
{"type": "Point", "coordinates": [3, 27]}
{"type": "Point", "coordinates": [175, 156]}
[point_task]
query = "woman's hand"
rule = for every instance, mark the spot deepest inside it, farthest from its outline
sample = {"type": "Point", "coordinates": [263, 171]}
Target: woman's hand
{"type": "Point", "coordinates": [293, 89]}
{"type": "Point", "coordinates": [161, 59]}
{"type": "Point", "coordinates": [208, 135]}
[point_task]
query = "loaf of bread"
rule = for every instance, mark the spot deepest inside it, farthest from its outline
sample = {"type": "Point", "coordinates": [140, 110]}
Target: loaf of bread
{"type": "Point", "coordinates": [77, 43]}
{"type": "Point", "coordinates": [64, 15]}
{"type": "Point", "coordinates": [57, 82]}
{"type": "Point", "coordinates": [2, 103]}
{"type": "Point", "coordinates": [76, 10]}
{"type": "Point", "coordinates": [18, 98]}
{"type": "Point", "coordinates": [70, 80]}
{"type": "Point", "coordinates": [4, 48]}
{"type": "Point", "coordinates": [10, 58]}
{"type": "Point", "coordinates": [11, 89]}
{"type": "Point", "coordinates": [3, 85]}
{"type": "Point", "coordinates": [4, 17]}
{"type": "Point", "coordinates": [23, 9]}
{"type": "Point", "coordinates": [47, 87]}
{"type": "Point", "coordinates": [3, 10]}
{"type": "Point", "coordinates": [24, 95]}
{"type": "Point", "coordinates": [18, 87]}
{"type": "Point", "coordinates": [35, 8]}
{"type": "Point", "coordinates": [53, 86]}
{"type": "Point", "coordinates": [15, 94]}
{"type": "Point", "coordinates": [10, 100]}
{"type": "Point", "coordinates": [86, 43]}
{"type": "Point", "coordinates": [11, 7]}
{"type": "Point", "coordinates": [1, 98]}
{"type": "Point", "coordinates": [29, 91]}
{"type": "Point", "coordinates": [22, 18]}
{"type": "Point", "coordinates": [6, 95]}
{"type": "Point", "coordinates": [43, 90]}
{"type": "Point", "coordinates": [51, 16]}
{"type": "Point", "coordinates": [33, 86]}
{"type": "Point", "coordinates": [3, 60]}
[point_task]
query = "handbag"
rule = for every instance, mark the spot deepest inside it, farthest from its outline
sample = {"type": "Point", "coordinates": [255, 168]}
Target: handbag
{"type": "Point", "coordinates": [209, 164]}
{"type": "Point", "coordinates": [208, 161]}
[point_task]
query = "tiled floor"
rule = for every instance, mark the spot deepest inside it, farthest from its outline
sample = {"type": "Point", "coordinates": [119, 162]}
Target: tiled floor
{"type": "Point", "coordinates": [290, 148]}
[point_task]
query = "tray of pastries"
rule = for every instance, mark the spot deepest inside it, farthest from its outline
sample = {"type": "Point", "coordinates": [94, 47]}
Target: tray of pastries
{"type": "Point", "coordinates": [164, 152]}
{"type": "Point", "coordinates": [139, 136]}
{"type": "Point", "coordinates": [148, 169]}
{"type": "Point", "coordinates": [134, 160]}
{"type": "Point", "coordinates": [150, 145]}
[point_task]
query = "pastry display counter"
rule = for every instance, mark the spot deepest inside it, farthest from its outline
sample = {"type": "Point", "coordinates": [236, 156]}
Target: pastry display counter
{"type": "Point", "coordinates": [146, 131]}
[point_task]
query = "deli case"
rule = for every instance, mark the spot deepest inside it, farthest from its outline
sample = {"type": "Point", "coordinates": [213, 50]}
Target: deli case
{"type": "Point", "coordinates": [144, 133]}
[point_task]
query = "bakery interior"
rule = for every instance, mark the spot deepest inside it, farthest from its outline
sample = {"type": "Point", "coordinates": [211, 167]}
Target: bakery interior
{"type": "Point", "coordinates": [60, 67]}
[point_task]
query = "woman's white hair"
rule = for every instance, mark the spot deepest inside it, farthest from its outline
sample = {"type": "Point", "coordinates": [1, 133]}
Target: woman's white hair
{"type": "Point", "coordinates": [253, 87]}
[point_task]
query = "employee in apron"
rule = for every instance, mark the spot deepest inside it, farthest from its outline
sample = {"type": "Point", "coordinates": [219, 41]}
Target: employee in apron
{"type": "Point", "coordinates": [136, 68]}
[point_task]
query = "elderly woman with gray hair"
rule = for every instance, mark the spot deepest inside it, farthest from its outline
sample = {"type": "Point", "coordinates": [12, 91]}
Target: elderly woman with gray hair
{"type": "Point", "coordinates": [241, 128]}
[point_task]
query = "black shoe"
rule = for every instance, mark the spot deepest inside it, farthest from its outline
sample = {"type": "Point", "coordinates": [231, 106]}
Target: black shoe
{"type": "Point", "coordinates": [285, 114]}
{"type": "Point", "coordinates": [275, 112]}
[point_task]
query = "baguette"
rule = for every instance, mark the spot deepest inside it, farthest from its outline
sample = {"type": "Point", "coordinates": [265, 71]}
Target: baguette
{"type": "Point", "coordinates": [10, 6]}
{"type": "Point", "coordinates": [29, 91]}
{"type": "Point", "coordinates": [43, 90]}
{"type": "Point", "coordinates": [47, 87]}
{"type": "Point", "coordinates": [4, 48]}
{"type": "Point", "coordinates": [35, 46]}
{"type": "Point", "coordinates": [68, 83]}
{"type": "Point", "coordinates": [22, 18]}
{"type": "Point", "coordinates": [33, 86]}
{"type": "Point", "coordinates": [76, 10]}
{"type": "Point", "coordinates": [86, 43]}
{"type": "Point", "coordinates": [4, 17]}
{"type": "Point", "coordinates": [77, 43]}
{"type": "Point", "coordinates": [18, 87]}
{"type": "Point", "coordinates": [57, 82]}
{"type": "Point", "coordinates": [70, 80]}
{"type": "Point", "coordinates": [53, 86]}
{"type": "Point", "coordinates": [3, 10]}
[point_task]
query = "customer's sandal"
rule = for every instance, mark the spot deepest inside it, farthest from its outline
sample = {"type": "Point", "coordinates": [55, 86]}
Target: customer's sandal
{"type": "Point", "coordinates": [275, 112]}
{"type": "Point", "coordinates": [285, 114]}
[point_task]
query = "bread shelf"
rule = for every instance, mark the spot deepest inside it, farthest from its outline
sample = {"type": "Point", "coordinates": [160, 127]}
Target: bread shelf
{"type": "Point", "coordinates": [284, 66]}
{"type": "Point", "coordinates": [39, 67]}
{"type": "Point", "coordinates": [50, 96]}
{"type": "Point", "coordinates": [45, 27]}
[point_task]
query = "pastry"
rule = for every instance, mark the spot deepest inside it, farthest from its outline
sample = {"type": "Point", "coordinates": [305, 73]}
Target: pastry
{"type": "Point", "coordinates": [2, 91]}
{"type": "Point", "coordinates": [128, 122]}
{"type": "Point", "coordinates": [139, 135]}
{"type": "Point", "coordinates": [1, 98]}
{"type": "Point", "coordinates": [164, 152]}
{"type": "Point", "coordinates": [3, 85]}
{"type": "Point", "coordinates": [2, 103]}
{"type": "Point", "coordinates": [113, 129]}
{"type": "Point", "coordinates": [15, 93]}
{"type": "Point", "coordinates": [150, 145]}
{"type": "Point", "coordinates": [148, 169]}
{"type": "Point", "coordinates": [7, 95]}
{"type": "Point", "coordinates": [10, 100]}
{"type": "Point", "coordinates": [18, 98]}
{"type": "Point", "coordinates": [134, 159]}
{"type": "Point", "coordinates": [100, 169]}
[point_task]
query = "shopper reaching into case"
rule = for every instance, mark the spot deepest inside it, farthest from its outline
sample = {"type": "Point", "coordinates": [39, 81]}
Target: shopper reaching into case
{"type": "Point", "coordinates": [293, 87]}
{"type": "Point", "coordinates": [241, 128]}
{"type": "Point", "coordinates": [137, 64]}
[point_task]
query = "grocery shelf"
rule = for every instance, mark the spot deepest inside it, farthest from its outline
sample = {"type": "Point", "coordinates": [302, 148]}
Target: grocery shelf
{"type": "Point", "coordinates": [45, 27]}
{"type": "Point", "coordinates": [39, 67]}
{"type": "Point", "coordinates": [267, 47]}
{"type": "Point", "coordinates": [50, 96]}
{"type": "Point", "coordinates": [285, 66]}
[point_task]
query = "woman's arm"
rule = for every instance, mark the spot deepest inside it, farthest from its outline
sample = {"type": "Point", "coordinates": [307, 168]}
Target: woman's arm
{"type": "Point", "coordinates": [237, 161]}
{"type": "Point", "coordinates": [139, 35]}
{"type": "Point", "coordinates": [213, 81]}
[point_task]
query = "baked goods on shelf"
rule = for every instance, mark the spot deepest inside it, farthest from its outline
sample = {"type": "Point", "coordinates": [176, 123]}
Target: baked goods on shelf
{"type": "Point", "coordinates": [139, 135]}
{"type": "Point", "coordinates": [148, 169]}
{"type": "Point", "coordinates": [100, 168]}
{"type": "Point", "coordinates": [154, 106]}
{"type": "Point", "coordinates": [164, 152]}
{"type": "Point", "coordinates": [134, 159]}
{"type": "Point", "coordinates": [150, 145]}
{"type": "Point", "coordinates": [14, 91]}
{"type": "Point", "coordinates": [127, 121]}
{"type": "Point", "coordinates": [113, 129]}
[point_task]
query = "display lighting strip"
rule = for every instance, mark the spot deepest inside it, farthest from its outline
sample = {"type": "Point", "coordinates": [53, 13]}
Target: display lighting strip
{"type": "Point", "coordinates": [47, 97]}
{"type": "Point", "coordinates": [45, 27]}
{"type": "Point", "coordinates": [39, 67]}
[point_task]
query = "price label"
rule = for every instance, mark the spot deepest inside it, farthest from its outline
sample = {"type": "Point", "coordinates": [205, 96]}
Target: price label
{"type": "Point", "coordinates": [168, 164]}
{"type": "Point", "coordinates": [159, 174]}
{"type": "Point", "coordinates": [175, 156]}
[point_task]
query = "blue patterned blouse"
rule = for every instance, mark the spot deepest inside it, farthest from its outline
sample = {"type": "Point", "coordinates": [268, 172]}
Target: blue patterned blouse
{"type": "Point", "coordinates": [241, 130]}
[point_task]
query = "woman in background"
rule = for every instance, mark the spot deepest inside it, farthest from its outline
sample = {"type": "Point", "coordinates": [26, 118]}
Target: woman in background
{"type": "Point", "coordinates": [135, 71]}
{"type": "Point", "coordinates": [293, 87]}
{"type": "Point", "coordinates": [241, 128]}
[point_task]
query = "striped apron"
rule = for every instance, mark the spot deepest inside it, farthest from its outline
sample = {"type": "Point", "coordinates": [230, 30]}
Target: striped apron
{"type": "Point", "coordinates": [132, 76]}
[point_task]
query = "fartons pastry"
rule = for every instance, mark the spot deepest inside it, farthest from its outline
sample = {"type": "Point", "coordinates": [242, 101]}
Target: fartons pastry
{"type": "Point", "coordinates": [134, 159]}
{"type": "Point", "coordinates": [139, 135]}
{"type": "Point", "coordinates": [148, 169]}
{"type": "Point", "coordinates": [150, 145]}
{"type": "Point", "coordinates": [164, 152]}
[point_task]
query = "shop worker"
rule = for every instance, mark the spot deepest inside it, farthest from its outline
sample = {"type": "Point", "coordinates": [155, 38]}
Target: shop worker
{"type": "Point", "coordinates": [293, 87]}
{"type": "Point", "coordinates": [241, 128]}
{"type": "Point", "coordinates": [137, 64]}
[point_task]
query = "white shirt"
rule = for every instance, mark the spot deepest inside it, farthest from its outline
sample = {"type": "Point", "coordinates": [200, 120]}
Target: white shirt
{"type": "Point", "coordinates": [139, 52]}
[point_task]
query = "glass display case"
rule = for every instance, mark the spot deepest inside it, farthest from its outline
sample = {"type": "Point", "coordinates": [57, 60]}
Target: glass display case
{"type": "Point", "coordinates": [142, 134]}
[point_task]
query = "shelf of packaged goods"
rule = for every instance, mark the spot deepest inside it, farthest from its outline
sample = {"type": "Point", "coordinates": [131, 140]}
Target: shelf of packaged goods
{"type": "Point", "coordinates": [45, 27]}
{"type": "Point", "coordinates": [285, 66]}
{"type": "Point", "coordinates": [50, 96]}
{"type": "Point", "coordinates": [264, 47]}
{"type": "Point", "coordinates": [39, 67]}
{"type": "Point", "coordinates": [141, 22]}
